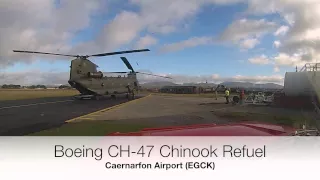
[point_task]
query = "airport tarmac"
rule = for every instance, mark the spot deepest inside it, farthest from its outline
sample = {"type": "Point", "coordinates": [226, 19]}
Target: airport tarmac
{"type": "Point", "coordinates": [21, 117]}
{"type": "Point", "coordinates": [27, 116]}
{"type": "Point", "coordinates": [179, 110]}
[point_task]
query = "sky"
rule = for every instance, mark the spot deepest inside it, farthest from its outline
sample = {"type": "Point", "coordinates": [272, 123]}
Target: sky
{"type": "Point", "coordinates": [189, 40]}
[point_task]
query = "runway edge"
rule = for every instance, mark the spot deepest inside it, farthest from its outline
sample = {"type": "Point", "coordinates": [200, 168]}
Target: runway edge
{"type": "Point", "coordinates": [103, 110]}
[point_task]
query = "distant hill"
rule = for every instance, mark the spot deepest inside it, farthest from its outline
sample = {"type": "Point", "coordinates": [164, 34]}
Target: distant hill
{"type": "Point", "coordinates": [251, 85]}
{"type": "Point", "coordinates": [227, 84]}
{"type": "Point", "coordinates": [157, 84]}
{"type": "Point", "coordinates": [162, 84]}
{"type": "Point", "coordinates": [200, 84]}
{"type": "Point", "coordinates": [272, 86]}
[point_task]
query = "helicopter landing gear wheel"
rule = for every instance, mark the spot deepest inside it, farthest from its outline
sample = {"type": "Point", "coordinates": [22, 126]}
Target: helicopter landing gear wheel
{"type": "Point", "coordinates": [130, 96]}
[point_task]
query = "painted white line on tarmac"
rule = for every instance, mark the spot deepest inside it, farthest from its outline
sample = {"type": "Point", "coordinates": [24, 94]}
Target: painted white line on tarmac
{"type": "Point", "coordinates": [106, 109]}
{"type": "Point", "coordinates": [34, 104]}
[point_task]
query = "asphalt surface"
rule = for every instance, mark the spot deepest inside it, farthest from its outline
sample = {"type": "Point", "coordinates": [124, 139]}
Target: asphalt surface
{"type": "Point", "coordinates": [22, 117]}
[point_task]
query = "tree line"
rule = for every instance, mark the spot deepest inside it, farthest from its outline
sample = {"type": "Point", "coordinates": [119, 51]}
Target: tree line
{"type": "Point", "coordinates": [15, 86]}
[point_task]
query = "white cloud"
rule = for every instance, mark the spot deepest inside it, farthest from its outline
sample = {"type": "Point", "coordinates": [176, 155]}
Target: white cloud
{"type": "Point", "coordinates": [146, 41]}
{"type": "Point", "coordinates": [245, 28]}
{"type": "Point", "coordinates": [259, 79]}
{"type": "Point", "coordinates": [54, 27]}
{"type": "Point", "coordinates": [277, 44]}
{"type": "Point", "coordinates": [295, 60]}
{"type": "Point", "coordinates": [167, 16]}
{"type": "Point", "coordinates": [34, 77]}
{"type": "Point", "coordinates": [215, 78]}
{"type": "Point", "coordinates": [246, 32]}
{"type": "Point", "coordinates": [159, 17]}
{"type": "Point", "coordinates": [300, 41]}
{"type": "Point", "coordinates": [283, 59]}
{"type": "Point", "coordinates": [286, 60]}
{"type": "Point", "coordinates": [192, 42]}
{"type": "Point", "coordinates": [249, 43]}
{"type": "Point", "coordinates": [123, 29]}
{"type": "Point", "coordinates": [38, 25]}
{"type": "Point", "coordinates": [276, 69]}
{"type": "Point", "coordinates": [261, 60]}
{"type": "Point", "coordinates": [156, 17]}
{"type": "Point", "coordinates": [281, 30]}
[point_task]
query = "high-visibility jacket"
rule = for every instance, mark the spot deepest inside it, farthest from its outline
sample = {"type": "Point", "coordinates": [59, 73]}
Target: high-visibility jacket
{"type": "Point", "coordinates": [242, 94]}
{"type": "Point", "coordinates": [227, 93]}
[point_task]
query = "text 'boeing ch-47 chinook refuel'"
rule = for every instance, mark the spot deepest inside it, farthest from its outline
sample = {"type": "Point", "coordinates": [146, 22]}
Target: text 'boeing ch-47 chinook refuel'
{"type": "Point", "coordinates": [93, 84]}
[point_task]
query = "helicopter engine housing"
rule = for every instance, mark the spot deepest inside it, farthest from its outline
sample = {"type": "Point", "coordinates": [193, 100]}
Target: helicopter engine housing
{"type": "Point", "coordinates": [95, 74]}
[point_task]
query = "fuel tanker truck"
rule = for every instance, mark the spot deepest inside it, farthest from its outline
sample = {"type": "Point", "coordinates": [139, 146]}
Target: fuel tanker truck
{"type": "Point", "coordinates": [301, 90]}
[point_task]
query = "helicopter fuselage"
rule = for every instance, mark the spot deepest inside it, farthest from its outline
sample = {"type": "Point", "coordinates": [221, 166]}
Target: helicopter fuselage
{"type": "Point", "coordinates": [105, 85]}
{"type": "Point", "coordinates": [88, 81]}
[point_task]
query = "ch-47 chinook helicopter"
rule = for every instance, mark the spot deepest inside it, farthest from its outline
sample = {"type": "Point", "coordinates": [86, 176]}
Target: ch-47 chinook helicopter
{"type": "Point", "coordinates": [93, 84]}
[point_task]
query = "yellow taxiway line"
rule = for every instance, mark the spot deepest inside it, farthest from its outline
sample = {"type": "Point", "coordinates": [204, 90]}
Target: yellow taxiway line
{"type": "Point", "coordinates": [86, 117]}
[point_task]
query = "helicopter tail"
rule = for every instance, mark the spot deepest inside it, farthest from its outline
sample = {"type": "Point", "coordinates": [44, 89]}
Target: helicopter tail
{"type": "Point", "coordinates": [83, 68]}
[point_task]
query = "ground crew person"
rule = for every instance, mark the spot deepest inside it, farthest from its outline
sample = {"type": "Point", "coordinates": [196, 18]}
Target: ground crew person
{"type": "Point", "coordinates": [216, 94]}
{"type": "Point", "coordinates": [241, 96]}
{"type": "Point", "coordinates": [227, 93]}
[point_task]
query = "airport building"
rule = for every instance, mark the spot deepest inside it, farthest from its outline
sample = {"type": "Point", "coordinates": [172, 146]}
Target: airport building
{"type": "Point", "coordinates": [180, 89]}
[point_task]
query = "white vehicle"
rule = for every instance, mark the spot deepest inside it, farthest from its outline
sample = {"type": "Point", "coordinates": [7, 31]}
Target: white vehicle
{"type": "Point", "coordinates": [260, 98]}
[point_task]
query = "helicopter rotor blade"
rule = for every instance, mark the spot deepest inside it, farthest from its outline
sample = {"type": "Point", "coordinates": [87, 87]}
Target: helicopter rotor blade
{"type": "Point", "coordinates": [37, 52]}
{"type": "Point", "coordinates": [155, 75]}
{"type": "Point", "coordinates": [119, 52]}
{"type": "Point", "coordinates": [117, 72]}
{"type": "Point", "coordinates": [126, 62]}
{"type": "Point", "coordinates": [94, 55]}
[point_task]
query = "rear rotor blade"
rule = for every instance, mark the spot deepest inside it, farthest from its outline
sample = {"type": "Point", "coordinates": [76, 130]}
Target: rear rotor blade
{"type": "Point", "coordinates": [117, 72]}
{"type": "Point", "coordinates": [126, 62]}
{"type": "Point", "coordinates": [155, 75]}
{"type": "Point", "coordinates": [120, 52]}
{"type": "Point", "coordinates": [36, 52]}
